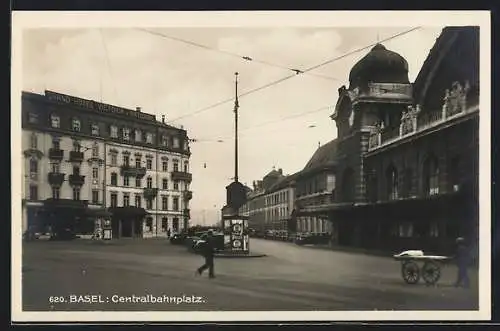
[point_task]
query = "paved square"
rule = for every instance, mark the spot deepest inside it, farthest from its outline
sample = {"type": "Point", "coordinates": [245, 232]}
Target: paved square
{"type": "Point", "coordinates": [289, 278]}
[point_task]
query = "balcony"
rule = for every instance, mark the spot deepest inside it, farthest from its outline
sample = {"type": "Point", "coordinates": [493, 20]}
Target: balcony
{"type": "Point", "coordinates": [56, 178]}
{"type": "Point", "coordinates": [150, 192]}
{"type": "Point", "coordinates": [56, 154]}
{"type": "Point", "coordinates": [181, 175]}
{"type": "Point", "coordinates": [458, 106]}
{"type": "Point", "coordinates": [76, 180]}
{"type": "Point", "coordinates": [132, 171]}
{"type": "Point", "coordinates": [75, 156]}
{"type": "Point", "coordinates": [188, 195]}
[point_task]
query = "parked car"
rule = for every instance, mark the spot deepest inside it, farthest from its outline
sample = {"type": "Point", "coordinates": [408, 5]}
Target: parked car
{"type": "Point", "coordinates": [177, 239]}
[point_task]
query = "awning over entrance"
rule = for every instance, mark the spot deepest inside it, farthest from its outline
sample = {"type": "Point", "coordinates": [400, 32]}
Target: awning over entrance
{"type": "Point", "coordinates": [64, 205]}
{"type": "Point", "coordinates": [129, 211]}
{"type": "Point", "coordinates": [99, 213]}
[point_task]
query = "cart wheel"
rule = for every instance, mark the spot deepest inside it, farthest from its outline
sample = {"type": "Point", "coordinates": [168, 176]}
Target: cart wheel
{"type": "Point", "coordinates": [431, 272]}
{"type": "Point", "coordinates": [410, 272]}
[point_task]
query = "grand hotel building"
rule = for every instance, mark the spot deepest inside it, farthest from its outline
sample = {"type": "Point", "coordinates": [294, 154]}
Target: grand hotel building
{"type": "Point", "coordinates": [84, 160]}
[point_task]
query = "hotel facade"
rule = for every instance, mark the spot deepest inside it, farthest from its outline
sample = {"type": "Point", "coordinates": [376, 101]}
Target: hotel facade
{"type": "Point", "coordinates": [85, 160]}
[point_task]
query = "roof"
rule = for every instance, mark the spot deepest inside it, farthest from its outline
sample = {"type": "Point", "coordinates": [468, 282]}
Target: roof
{"type": "Point", "coordinates": [324, 156]}
{"type": "Point", "coordinates": [283, 182]}
{"type": "Point", "coordinates": [442, 45]}
{"type": "Point", "coordinates": [273, 173]}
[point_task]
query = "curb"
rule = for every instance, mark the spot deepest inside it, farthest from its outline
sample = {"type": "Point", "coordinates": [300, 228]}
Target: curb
{"type": "Point", "coordinates": [224, 256]}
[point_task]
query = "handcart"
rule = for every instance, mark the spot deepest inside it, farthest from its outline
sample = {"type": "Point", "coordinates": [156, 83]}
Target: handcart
{"type": "Point", "coordinates": [415, 264]}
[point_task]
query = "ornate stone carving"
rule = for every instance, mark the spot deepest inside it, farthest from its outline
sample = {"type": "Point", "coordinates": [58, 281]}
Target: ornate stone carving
{"type": "Point", "coordinates": [409, 120]}
{"type": "Point", "coordinates": [455, 99]}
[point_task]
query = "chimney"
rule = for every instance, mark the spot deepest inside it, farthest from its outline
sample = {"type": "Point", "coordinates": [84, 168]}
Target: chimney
{"type": "Point", "coordinates": [163, 119]}
{"type": "Point", "coordinates": [280, 171]}
{"type": "Point", "coordinates": [138, 109]}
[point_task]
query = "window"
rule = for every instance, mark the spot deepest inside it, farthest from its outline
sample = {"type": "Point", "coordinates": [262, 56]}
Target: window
{"type": "Point", "coordinates": [176, 203]}
{"type": "Point", "coordinates": [114, 159]}
{"type": "Point", "coordinates": [149, 204]}
{"type": "Point", "coordinates": [33, 192]}
{"type": "Point", "coordinates": [126, 134]}
{"type": "Point", "coordinates": [113, 131]}
{"type": "Point", "coordinates": [138, 161]}
{"type": "Point", "coordinates": [149, 138]}
{"type": "Point", "coordinates": [186, 186]}
{"type": "Point", "coordinates": [95, 172]}
{"type": "Point", "coordinates": [76, 146]}
{"type": "Point", "coordinates": [164, 203]}
{"type": "Point", "coordinates": [34, 141]}
{"type": "Point", "coordinates": [164, 166]}
{"type": "Point", "coordinates": [126, 200]}
{"type": "Point", "coordinates": [186, 167]}
{"type": "Point", "coordinates": [95, 150]}
{"type": "Point", "coordinates": [164, 224]}
{"type": "Point", "coordinates": [95, 196]}
{"type": "Point", "coordinates": [406, 230]}
{"type": "Point", "coordinates": [434, 230]}
{"type": "Point", "coordinates": [164, 140]}
{"type": "Point", "coordinates": [138, 135]}
{"type": "Point", "coordinates": [126, 160]}
{"type": "Point", "coordinates": [55, 121]}
{"type": "Point", "coordinates": [56, 192]}
{"type": "Point", "coordinates": [56, 143]}
{"type": "Point", "coordinates": [149, 182]}
{"type": "Point", "coordinates": [392, 183]}
{"type": "Point", "coordinates": [149, 224]}
{"type": "Point", "coordinates": [56, 167]}
{"type": "Point", "coordinates": [176, 185]}
{"type": "Point", "coordinates": [76, 170]}
{"type": "Point", "coordinates": [76, 193]}
{"type": "Point", "coordinates": [176, 142]}
{"type": "Point", "coordinates": [164, 184]}
{"type": "Point", "coordinates": [176, 166]}
{"type": "Point", "coordinates": [408, 187]}
{"type": "Point", "coordinates": [186, 145]}
{"type": "Point", "coordinates": [33, 166]}
{"type": "Point", "coordinates": [149, 164]}
{"type": "Point", "coordinates": [114, 179]}
{"type": "Point", "coordinates": [114, 200]}
{"type": "Point", "coordinates": [126, 181]}
{"type": "Point", "coordinates": [138, 181]}
{"type": "Point", "coordinates": [32, 118]}
{"type": "Point", "coordinates": [94, 128]}
{"type": "Point", "coordinates": [454, 174]}
{"type": "Point", "coordinates": [431, 176]}
{"type": "Point", "coordinates": [75, 125]}
{"type": "Point", "coordinates": [138, 201]}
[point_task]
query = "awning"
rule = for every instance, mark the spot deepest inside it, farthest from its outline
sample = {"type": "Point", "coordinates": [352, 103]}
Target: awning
{"type": "Point", "coordinates": [129, 211]}
{"type": "Point", "coordinates": [99, 213]}
{"type": "Point", "coordinates": [57, 204]}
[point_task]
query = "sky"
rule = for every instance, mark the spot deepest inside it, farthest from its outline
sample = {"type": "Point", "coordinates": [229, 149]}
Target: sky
{"type": "Point", "coordinates": [280, 126]}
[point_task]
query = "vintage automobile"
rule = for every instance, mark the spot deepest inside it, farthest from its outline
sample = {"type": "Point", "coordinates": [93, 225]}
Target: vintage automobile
{"type": "Point", "coordinates": [198, 245]}
{"type": "Point", "coordinates": [178, 239]}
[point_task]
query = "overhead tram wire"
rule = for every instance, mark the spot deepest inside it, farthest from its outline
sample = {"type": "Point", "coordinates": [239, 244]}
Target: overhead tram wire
{"type": "Point", "coordinates": [272, 122]}
{"type": "Point", "coordinates": [246, 58]}
{"type": "Point", "coordinates": [291, 76]}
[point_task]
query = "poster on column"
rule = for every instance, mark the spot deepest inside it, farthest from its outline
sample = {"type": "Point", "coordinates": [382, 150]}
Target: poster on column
{"type": "Point", "coordinates": [236, 235]}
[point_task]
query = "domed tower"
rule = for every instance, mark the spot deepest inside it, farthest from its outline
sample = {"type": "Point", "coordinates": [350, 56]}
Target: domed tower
{"type": "Point", "coordinates": [379, 91]}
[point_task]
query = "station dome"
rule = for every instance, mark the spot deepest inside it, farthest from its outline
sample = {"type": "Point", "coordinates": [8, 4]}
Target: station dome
{"type": "Point", "coordinates": [380, 65]}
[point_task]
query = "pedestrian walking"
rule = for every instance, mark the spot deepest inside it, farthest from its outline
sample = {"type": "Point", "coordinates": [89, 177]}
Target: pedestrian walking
{"type": "Point", "coordinates": [208, 253]}
{"type": "Point", "coordinates": [462, 258]}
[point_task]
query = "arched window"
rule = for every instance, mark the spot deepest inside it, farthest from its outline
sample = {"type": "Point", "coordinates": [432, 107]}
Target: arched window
{"type": "Point", "coordinates": [348, 185]}
{"type": "Point", "coordinates": [150, 182]}
{"type": "Point", "coordinates": [431, 176]}
{"type": "Point", "coordinates": [33, 166]}
{"type": "Point", "coordinates": [454, 174]}
{"type": "Point", "coordinates": [392, 183]}
{"type": "Point", "coordinates": [55, 121]}
{"type": "Point", "coordinates": [114, 179]}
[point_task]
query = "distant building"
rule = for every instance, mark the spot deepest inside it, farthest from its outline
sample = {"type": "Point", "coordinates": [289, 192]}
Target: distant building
{"type": "Point", "coordinates": [270, 204]}
{"type": "Point", "coordinates": [81, 155]}
{"type": "Point", "coordinates": [404, 168]}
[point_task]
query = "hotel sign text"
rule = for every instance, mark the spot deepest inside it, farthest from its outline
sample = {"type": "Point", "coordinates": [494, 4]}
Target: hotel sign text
{"type": "Point", "coordinates": [97, 106]}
